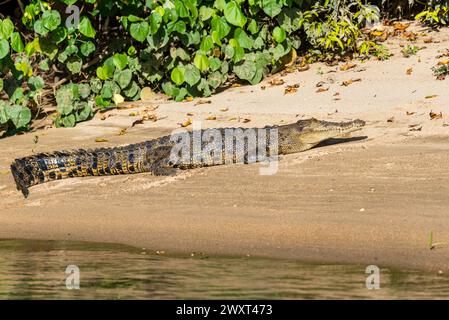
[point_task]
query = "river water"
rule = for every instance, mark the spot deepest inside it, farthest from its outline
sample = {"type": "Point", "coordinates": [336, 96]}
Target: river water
{"type": "Point", "coordinates": [37, 270]}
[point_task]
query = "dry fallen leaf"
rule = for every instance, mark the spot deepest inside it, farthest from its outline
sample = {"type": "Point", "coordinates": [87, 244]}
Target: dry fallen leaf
{"type": "Point", "coordinates": [246, 120]}
{"type": "Point", "coordinates": [203, 101]}
{"type": "Point", "coordinates": [435, 116]}
{"type": "Point", "coordinates": [350, 81]}
{"type": "Point", "coordinates": [319, 90]}
{"type": "Point", "coordinates": [347, 66]}
{"type": "Point", "coordinates": [443, 62]}
{"type": "Point", "coordinates": [224, 109]}
{"type": "Point", "coordinates": [409, 71]}
{"type": "Point", "coordinates": [410, 113]}
{"type": "Point", "coordinates": [149, 116]}
{"type": "Point", "coordinates": [276, 82]}
{"type": "Point", "coordinates": [291, 88]}
{"type": "Point", "coordinates": [431, 96]}
{"type": "Point", "coordinates": [400, 26]}
{"type": "Point", "coordinates": [411, 36]}
{"type": "Point", "coordinates": [211, 118]}
{"type": "Point", "coordinates": [186, 123]}
{"type": "Point", "coordinates": [189, 114]}
{"type": "Point", "coordinates": [415, 127]}
{"type": "Point", "coordinates": [138, 121]}
{"type": "Point", "coordinates": [101, 140]}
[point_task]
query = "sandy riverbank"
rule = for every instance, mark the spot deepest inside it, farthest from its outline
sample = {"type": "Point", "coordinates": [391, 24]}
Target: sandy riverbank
{"type": "Point", "coordinates": [370, 201]}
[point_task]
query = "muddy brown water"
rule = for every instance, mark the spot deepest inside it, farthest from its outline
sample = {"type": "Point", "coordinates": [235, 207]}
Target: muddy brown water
{"type": "Point", "coordinates": [37, 270]}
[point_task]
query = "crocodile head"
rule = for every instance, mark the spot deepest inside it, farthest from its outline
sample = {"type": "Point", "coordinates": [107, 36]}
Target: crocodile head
{"type": "Point", "coordinates": [306, 134]}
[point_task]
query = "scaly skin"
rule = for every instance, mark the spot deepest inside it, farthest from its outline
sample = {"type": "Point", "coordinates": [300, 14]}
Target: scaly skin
{"type": "Point", "coordinates": [155, 155]}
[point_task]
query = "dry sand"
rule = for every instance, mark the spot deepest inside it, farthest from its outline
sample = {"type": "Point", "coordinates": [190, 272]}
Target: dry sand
{"type": "Point", "coordinates": [369, 201]}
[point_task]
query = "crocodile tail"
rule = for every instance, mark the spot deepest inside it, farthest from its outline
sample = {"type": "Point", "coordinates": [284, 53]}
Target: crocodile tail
{"type": "Point", "coordinates": [44, 167]}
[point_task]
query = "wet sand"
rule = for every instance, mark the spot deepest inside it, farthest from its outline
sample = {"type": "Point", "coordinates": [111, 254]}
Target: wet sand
{"type": "Point", "coordinates": [372, 200]}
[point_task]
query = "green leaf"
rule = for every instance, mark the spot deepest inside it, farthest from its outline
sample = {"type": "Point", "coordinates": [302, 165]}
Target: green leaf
{"type": "Point", "coordinates": [246, 70]}
{"type": "Point", "coordinates": [201, 61]}
{"type": "Point", "coordinates": [207, 44]}
{"type": "Point", "coordinates": [86, 28]}
{"type": "Point", "coordinates": [192, 74]}
{"type": "Point", "coordinates": [69, 121]}
{"type": "Point", "coordinates": [123, 78]}
{"type": "Point", "coordinates": [220, 26]}
{"type": "Point", "coordinates": [139, 30]}
{"type": "Point", "coordinates": [87, 48]}
{"type": "Point", "coordinates": [51, 19]}
{"type": "Point", "coordinates": [19, 115]}
{"type": "Point", "coordinates": [155, 22]}
{"type": "Point", "coordinates": [39, 28]}
{"type": "Point", "coordinates": [253, 27]}
{"type": "Point", "coordinates": [84, 112]}
{"type": "Point", "coordinates": [120, 60]}
{"type": "Point", "coordinates": [6, 28]}
{"type": "Point", "coordinates": [234, 14]}
{"type": "Point", "coordinates": [279, 34]}
{"type": "Point", "coordinates": [36, 83]}
{"type": "Point", "coordinates": [272, 7]}
{"type": "Point", "coordinates": [74, 64]}
{"type": "Point", "coordinates": [243, 39]}
{"type": "Point", "coordinates": [205, 13]}
{"type": "Point", "coordinates": [16, 42]}
{"type": "Point", "coordinates": [4, 48]}
{"type": "Point", "coordinates": [177, 75]}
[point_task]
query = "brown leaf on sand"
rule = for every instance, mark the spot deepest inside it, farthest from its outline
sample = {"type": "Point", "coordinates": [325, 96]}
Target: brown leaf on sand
{"type": "Point", "coordinates": [224, 109]}
{"type": "Point", "coordinates": [415, 127]}
{"type": "Point", "coordinates": [350, 81]}
{"type": "Point", "coordinates": [410, 113]}
{"type": "Point", "coordinates": [433, 96]}
{"type": "Point", "coordinates": [319, 90]}
{"type": "Point", "coordinates": [211, 118]}
{"type": "Point", "coordinates": [291, 88]}
{"type": "Point", "coordinates": [276, 82]}
{"type": "Point", "coordinates": [409, 71]}
{"type": "Point", "coordinates": [138, 121]}
{"type": "Point", "coordinates": [186, 123]}
{"type": "Point", "coordinates": [203, 101]}
{"type": "Point", "coordinates": [347, 66]}
{"type": "Point", "coordinates": [123, 131]}
{"type": "Point", "coordinates": [398, 26]}
{"type": "Point", "coordinates": [435, 116]}
{"type": "Point", "coordinates": [246, 120]}
{"type": "Point", "coordinates": [101, 140]}
{"type": "Point", "coordinates": [411, 36]}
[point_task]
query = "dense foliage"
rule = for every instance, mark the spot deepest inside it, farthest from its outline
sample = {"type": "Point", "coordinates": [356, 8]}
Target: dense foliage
{"type": "Point", "coordinates": [185, 48]}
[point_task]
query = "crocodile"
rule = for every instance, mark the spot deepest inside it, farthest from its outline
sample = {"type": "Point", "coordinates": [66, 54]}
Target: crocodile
{"type": "Point", "coordinates": [156, 155]}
